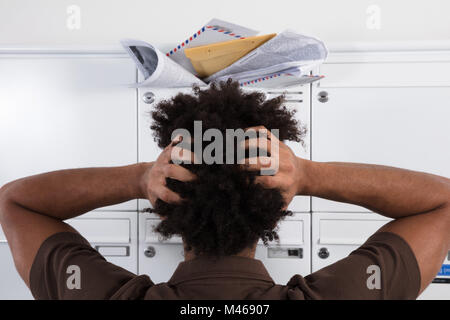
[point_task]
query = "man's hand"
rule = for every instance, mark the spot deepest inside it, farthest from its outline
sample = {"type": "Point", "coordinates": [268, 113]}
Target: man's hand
{"type": "Point", "coordinates": [153, 183]}
{"type": "Point", "coordinates": [289, 178]}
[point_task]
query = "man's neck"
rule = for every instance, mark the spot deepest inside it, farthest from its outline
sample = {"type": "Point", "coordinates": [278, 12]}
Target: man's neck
{"type": "Point", "coordinates": [246, 253]}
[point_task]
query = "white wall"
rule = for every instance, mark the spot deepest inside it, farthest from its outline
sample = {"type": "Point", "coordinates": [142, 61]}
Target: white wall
{"type": "Point", "coordinates": [164, 22]}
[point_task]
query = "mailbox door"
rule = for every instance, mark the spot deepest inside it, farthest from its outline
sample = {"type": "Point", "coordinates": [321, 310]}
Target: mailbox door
{"type": "Point", "coordinates": [336, 235]}
{"type": "Point", "coordinates": [157, 258]}
{"type": "Point", "coordinates": [392, 114]}
{"type": "Point", "coordinates": [292, 255]}
{"type": "Point", "coordinates": [112, 234]}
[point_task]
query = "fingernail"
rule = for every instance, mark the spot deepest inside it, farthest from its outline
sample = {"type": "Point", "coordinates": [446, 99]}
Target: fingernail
{"type": "Point", "coordinates": [178, 138]}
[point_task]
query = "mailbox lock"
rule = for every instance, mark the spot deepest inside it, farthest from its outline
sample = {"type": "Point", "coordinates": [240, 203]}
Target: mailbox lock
{"type": "Point", "coordinates": [148, 97]}
{"type": "Point", "coordinates": [323, 253]}
{"type": "Point", "coordinates": [150, 252]}
{"type": "Point", "coordinates": [322, 96]}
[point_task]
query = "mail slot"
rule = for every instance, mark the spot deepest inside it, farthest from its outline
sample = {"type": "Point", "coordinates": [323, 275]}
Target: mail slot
{"type": "Point", "coordinates": [291, 255]}
{"type": "Point", "coordinates": [113, 251]}
{"type": "Point", "coordinates": [289, 95]}
{"type": "Point", "coordinates": [287, 253]}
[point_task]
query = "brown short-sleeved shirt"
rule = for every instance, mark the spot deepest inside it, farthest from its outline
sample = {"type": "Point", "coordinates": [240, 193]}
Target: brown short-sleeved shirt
{"type": "Point", "coordinates": [230, 277]}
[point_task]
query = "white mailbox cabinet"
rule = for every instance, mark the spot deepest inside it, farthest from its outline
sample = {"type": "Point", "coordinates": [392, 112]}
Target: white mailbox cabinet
{"type": "Point", "coordinates": [336, 235]}
{"type": "Point", "coordinates": [66, 111]}
{"type": "Point", "coordinates": [395, 114]}
{"type": "Point", "coordinates": [294, 233]}
{"type": "Point", "coordinates": [75, 109]}
{"type": "Point", "coordinates": [159, 258]}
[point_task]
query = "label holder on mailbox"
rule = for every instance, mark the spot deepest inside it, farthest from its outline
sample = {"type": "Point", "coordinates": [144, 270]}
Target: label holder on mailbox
{"type": "Point", "coordinates": [285, 252]}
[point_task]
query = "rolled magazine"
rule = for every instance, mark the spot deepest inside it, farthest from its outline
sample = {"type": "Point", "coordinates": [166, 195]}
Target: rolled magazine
{"type": "Point", "coordinates": [158, 69]}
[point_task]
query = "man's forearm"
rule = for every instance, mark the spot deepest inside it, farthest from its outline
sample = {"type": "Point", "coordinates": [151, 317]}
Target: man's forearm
{"type": "Point", "coordinates": [389, 191]}
{"type": "Point", "coordinates": [68, 193]}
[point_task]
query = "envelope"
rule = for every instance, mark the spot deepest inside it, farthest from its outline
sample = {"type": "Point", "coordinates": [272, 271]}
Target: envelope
{"type": "Point", "coordinates": [209, 59]}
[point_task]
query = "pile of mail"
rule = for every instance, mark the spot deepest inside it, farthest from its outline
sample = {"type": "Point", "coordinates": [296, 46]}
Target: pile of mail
{"type": "Point", "coordinates": [221, 50]}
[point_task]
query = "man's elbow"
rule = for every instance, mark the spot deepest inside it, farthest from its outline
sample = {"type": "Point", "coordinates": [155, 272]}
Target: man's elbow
{"type": "Point", "coordinates": [447, 195]}
{"type": "Point", "coordinates": [445, 209]}
{"type": "Point", "coordinates": [5, 199]}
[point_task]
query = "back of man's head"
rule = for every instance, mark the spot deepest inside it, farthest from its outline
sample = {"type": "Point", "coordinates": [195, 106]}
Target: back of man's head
{"type": "Point", "coordinates": [224, 211]}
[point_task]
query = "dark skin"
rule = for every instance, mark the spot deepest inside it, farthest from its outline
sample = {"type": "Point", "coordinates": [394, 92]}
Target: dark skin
{"type": "Point", "coordinates": [33, 208]}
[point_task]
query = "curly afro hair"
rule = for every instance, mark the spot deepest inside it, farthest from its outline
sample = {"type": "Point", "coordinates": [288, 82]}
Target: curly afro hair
{"type": "Point", "coordinates": [225, 211]}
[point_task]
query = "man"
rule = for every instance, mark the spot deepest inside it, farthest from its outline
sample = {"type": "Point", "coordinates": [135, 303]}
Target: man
{"type": "Point", "coordinates": [222, 209]}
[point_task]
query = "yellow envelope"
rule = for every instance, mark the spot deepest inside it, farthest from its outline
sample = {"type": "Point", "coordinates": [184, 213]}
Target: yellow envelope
{"type": "Point", "coordinates": [211, 58]}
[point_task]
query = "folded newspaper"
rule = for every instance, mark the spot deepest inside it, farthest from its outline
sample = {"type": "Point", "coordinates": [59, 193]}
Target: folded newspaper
{"type": "Point", "coordinates": [285, 51]}
{"type": "Point", "coordinates": [285, 60]}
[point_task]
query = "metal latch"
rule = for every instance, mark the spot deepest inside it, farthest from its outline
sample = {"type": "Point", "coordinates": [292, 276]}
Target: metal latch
{"type": "Point", "coordinates": [322, 96]}
{"type": "Point", "coordinates": [290, 253]}
{"type": "Point", "coordinates": [148, 97]}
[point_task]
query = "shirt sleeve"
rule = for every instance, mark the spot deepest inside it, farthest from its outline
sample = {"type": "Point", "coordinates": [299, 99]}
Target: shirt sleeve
{"type": "Point", "coordinates": [67, 267]}
{"type": "Point", "coordinates": [384, 267]}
